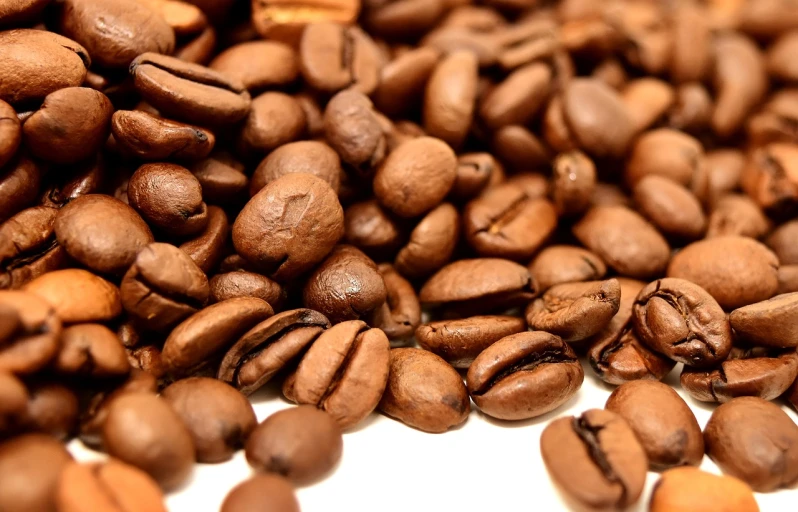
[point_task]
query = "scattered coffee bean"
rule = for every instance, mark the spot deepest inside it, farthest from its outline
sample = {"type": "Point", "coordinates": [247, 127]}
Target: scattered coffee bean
{"type": "Point", "coordinates": [692, 490]}
{"type": "Point", "coordinates": [261, 493]}
{"type": "Point", "coordinates": [772, 323]}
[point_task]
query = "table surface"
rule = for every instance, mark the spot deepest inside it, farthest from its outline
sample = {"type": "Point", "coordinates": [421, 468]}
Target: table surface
{"type": "Point", "coordinates": [482, 465]}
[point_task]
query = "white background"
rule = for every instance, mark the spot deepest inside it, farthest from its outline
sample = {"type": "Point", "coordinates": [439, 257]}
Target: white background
{"type": "Point", "coordinates": [484, 465]}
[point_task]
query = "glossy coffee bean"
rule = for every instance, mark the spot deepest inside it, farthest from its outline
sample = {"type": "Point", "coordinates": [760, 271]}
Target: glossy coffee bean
{"type": "Point", "coordinates": [91, 350]}
{"type": "Point", "coordinates": [780, 242]}
{"type": "Point", "coordinates": [246, 284]}
{"type": "Point", "coordinates": [274, 119]}
{"type": "Point", "coordinates": [524, 375]}
{"type": "Point", "coordinates": [400, 314]}
{"type": "Point", "coordinates": [261, 493]}
{"type": "Point", "coordinates": [32, 464]}
{"type": "Point", "coordinates": [307, 156]}
{"type": "Point", "coordinates": [258, 64]}
{"type": "Point", "coordinates": [112, 486]}
{"type": "Point", "coordinates": [372, 229]}
{"type": "Point", "coordinates": [152, 138]}
{"type": "Point", "coordinates": [692, 490]}
{"type": "Point", "coordinates": [100, 299]}
{"type": "Point", "coordinates": [770, 323]}
{"type": "Point", "coordinates": [33, 335]}
{"type": "Point", "coordinates": [450, 97]}
{"type": "Point", "coordinates": [670, 154]}
{"type": "Point", "coordinates": [334, 56]}
{"type": "Point", "coordinates": [737, 214]}
{"type": "Point", "coordinates": [431, 244]}
{"type": "Point", "coordinates": [28, 247]}
{"type": "Point", "coordinates": [573, 183]}
{"type": "Point", "coordinates": [558, 264]}
{"type": "Point", "coordinates": [670, 207]}
{"type": "Point", "coordinates": [20, 181]}
{"type": "Point", "coordinates": [207, 249]}
{"type": "Point", "coordinates": [353, 130]}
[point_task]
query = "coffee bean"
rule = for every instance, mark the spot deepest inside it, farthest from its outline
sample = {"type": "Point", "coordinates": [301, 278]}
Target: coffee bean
{"type": "Point", "coordinates": [32, 464]}
{"type": "Point", "coordinates": [274, 119]}
{"type": "Point", "coordinates": [22, 11]}
{"type": "Point", "coordinates": [617, 355]}
{"type": "Point", "coordinates": [788, 279]}
{"type": "Point", "coordinates": [13, 400]}
{"type": "Point", "coordinates": [736, 271]}
{"type": "Point", "coordinates": [10, 132]}
{"type": "Point", "coordinates": [144, 431]}
{"type": "Point", "coordinates": [352, 128]}
{"type": "Point", "coordinates": [301, 443]}
{"type": "Point", "coordinates": [261, 493]}
{"type": "Point", "coordinates": [460, 341]}
{"type": "Point", "coordinates": [34, 332]}
{"type": "Point", "coordinates": [403, 79]}
{"type": "Point", "coordinates": [741, 81]}
{"type": "Point", "coordinates": [725, 167]}
{"type": "Point", "coordinates": [108, 247]}
{"type": "Point", "coordinates": [432, 242]}
{"type": "Point", "coordinates": [755, 441]}
{"type": "Point", "coordinates": [206, 250]}
{"type": "Point", "coordinates": [371, 229]}
{"type": "Point", "coordinates": [670, 154]}
{"type": "Point", "coordinates": [692, 490]}
{"type": "Point", "coordinates": [309, 156]}
{"type": "Point", "coordinates": [51, 409]}
{"type": "Point", "coordinates": [400, 314]}
{"type": "Point", "coordinates": [662, 421]}
{"type": "Point", "coordinates": [112, 486]}
{"type": "Point", "coordinates": [595, 460]}
{"type": "Point", "coordinates": [273, 229]}
{"type": "Point", "coordinates": [772, 323]}
{"type": "Point", "coordinates": [20, 181]}
{"type": "Point", "coordinates": [86, 177]}
{"type": "Point", "coordinates": [518, 98]}
{"type": "Point", "coordinates": [344, 372]}
{"type": "Point", "coordinates": [246, 284]}
{"type": "Point", "coordinates": [424, 392]}
{"type": "Point", "coordinates": [258, 64]}
{"type": "Point", "coordinates": [450, 97]}
{"type": "Point", "coordinates": [221, 183]}
{"type": "Point", "coordinates": [573, 182]}
{"type": "Point", "coordinates": [219, 418]}
{"type": "Point", "coordinates": [670, 207]}
{"type": "Point", "coordinates": [270, 346]}
{"type": "Point", "coordinates": [781, 242]}
{"type": "Point", "coordinates": [100, 299]}
{"type": "Point", "coordinates": [474, 173]}
{"type": "Point", "coordinates": [769, 178]}
{"type": "Point", "coordinates": [647, 100]}
{"type": "Point", "coordinates": [524, 375]}
{"type": "Point", "coordinates": [737, 214]}
{"type": "Point", "coordinates": [28, 247]}
{"type": "Point", "coordinates": [519, 147]}
{"type": "Point", "coordinates": [333, 56]}
{"type": "Point", "coordinates": [148, 137]}
{"type": "Point", "coordinates": [91, 350]}
{"type": "Point", "coordinates": [559, 264]}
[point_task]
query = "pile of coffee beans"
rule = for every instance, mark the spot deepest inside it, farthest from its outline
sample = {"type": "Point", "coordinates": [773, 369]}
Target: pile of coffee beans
{"type": "Point", "coordinates": [415, 207]}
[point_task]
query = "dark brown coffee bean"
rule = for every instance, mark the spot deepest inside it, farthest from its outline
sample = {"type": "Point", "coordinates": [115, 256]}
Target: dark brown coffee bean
{"type": "Point", "coordinates": [20, 181]}
{"type": "Point", "coordinates": [36, 335]}
{"type": "Point", "coordinates": [13, 393]}
{"type": "Point", "coordinates": [404, 18]}
{"type": "Point", "coordinates": [274, 119]}
{"type": "Point", "coordinates": [32, 464]}
{"type": "Point", "coordinates": [87, 177]}
{"type": "Point", "coordinates": [344, 372]}
{"type": "Point", "coordinates": [10, 132]}
{"type": "Point", "coordinates": [28, 247]}
{"type": "Point", "coordinates": [262, 493]}
{"type": "Point", "coordinates": [450, 97]}
{"type": "Point", "coordinates": [558, 264]}
{"type": "Point", "coordinates": [736, 271]}
{"type": "Point", "coordinates": [595, 459]}
{"type": "Point", "coordinates": [91, 350]}
{"type": "Point", "coordinates": [432, 243]}
{"type": "Point", "coordinates": [308, 156]}
{"type": "Point", "coordinates": [51, 409]}
{"type": "Point", "coordinates": [737, 214]}
{"type": "Point", "coordinates": [301, 443]}
{"type": "Point", "coordinates": [403, 79]}
{"type": "Point", "coordinates": [274, 229]}
{"type": "Point", "coordinates": [270, 346]}
{"type": "Point", "coordinates": [474, 173]}
{"type": "Point", "coordinates": [679, 319]}
{"type": "Point", "coordinates": [692, 490]}
{"type": "Point", "coordinates": [740, 78]}
{"type": "Point", "coordinates": [258, 64]}
{"type": "Point", "coordinates": [189, 92]}
{"type": "Point", "coordinates": [755, 441]}
{"type": "Point", "coordinates": [148, 137]}
{"type": "Point", "coordinates": [668, 153]}
{"type": "Point", "coordinates": [208, 248]}
{"type": "Point", "coordinates": [112, 486]}
{"type": "Point", "coordinates": [205, 334]}
{"type": "Point", "coordinates": [369, 228]}
{"type": "Point", "coordinates": [219, 418]}
{"type": "Point", "coordinates": [424, 392]}
{"type": "Point", "coordinates": [506, 222]}
{"type": "Point", "coordinates": [517, 99]}
{"type": "Point", "coordinates": [246, 284]}
{"type": "Point", "coordinates": [662, 421]}
{"type": "Point", "coordinates": [772, 323]}
{"type": "Point", "coordinates": [524, 375]}
{"type": "Point", "coordinates": [144, 431]}
{"type": "Point", "coordinates": [400, 314]}
{"type": "Point", "coordinates": [99, 299]}
{"type": "Point", "coordinates": [670, 207]}
{"type": "Point", "coordinates": [352, 128]}
{"type": "Point", "coordinates": [333, 57]}
{"type": "Point", "coordinates": [575, 311]}
{"type": "Point", "coordinates": [20, 12]}
{"type": "Point", "coordinates": [624, 240]}
{"type": "Point", "coordinates": [766, 373]}
{"type": "Point", "coordinates": [163, 287]}
{"type": "Point", "coordinates": [148, 358]}
{"type": "Point", "coordinates": [109, 246]}
{"type": "Point", "coordinates": [37, 63]}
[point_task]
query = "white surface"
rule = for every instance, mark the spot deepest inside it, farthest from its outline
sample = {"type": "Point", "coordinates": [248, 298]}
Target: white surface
{"type": "Point", "coordinates": [484, 465]}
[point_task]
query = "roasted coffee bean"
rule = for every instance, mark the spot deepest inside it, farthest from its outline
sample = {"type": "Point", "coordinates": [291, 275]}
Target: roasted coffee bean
{"type": "Point", "coordinates": [108, 247]}
{"type": "Point", "coordinates": [10, 132]}
{"type": "Point", "coordinates": [484, 283]}
{"type": "Point", "coordinates": [219, 418]}
{"type": "Point", "coordinates": [13, 397]}
{"type": "Point", "coordinates": [207, 333]}
{"type": "Point", "coordinates": [99, 299]}
{"type": "Point", "coordinates": [32, 464]}
{"type": "Point", "coordinates": [474, 173]}
{"type": "Point", "coordinates": [262, 493]}
{"type": "Point", "coordinates": [19, 12]}
{"type": "Point", "coordinates": [506, 222]}
{"type": "Point", "coordinates": [274, 119]}
{"type": "Point", "coordinates": [208, 248]}
{"type": "Point", "coordinates": [353, 129]}
{"type": "Point", "coordinates": [617, 356]}
{"type": "Point", "coordinates": [782, 242]}
{"type": "Point", "coordinates": [269, 347]}
{"type": "Point", "coordinates": [450, 97]}
{"type": "Point", "coordinates": [149, 359]}
{"type": "Point", "coordinates": [403, 79]}
{"type": "Point", "coordinates": [766, 373]}
{"type": "Point", "coordinates": [308, 156]}
{"type": "Point", "coordinates": [772, 323]}
{"type": "Point", "coordinates": [87, 177]}
{"type": "Point", "coordinates": [345, 286]}
{"type": "Point", "coordinates": [460, 341]}
{"type": "Point", "coordinates": [595, 459]}
{"type": "Point", "coordinates": [275, 228]}
{"type": "Point", "coordinates": [28, 247]}
{"type": "Point", "coordinates": [37, 63]}
{"type": "Point", "coordinates": [736, 271]}
{"type": "Point", "coordinates": [670, 207]}
{"type": "Point", "coordinates": [517, 99]}
{"type": "Point", "coordinates": [189, 92]}
{"type": "Point", "coordinates": [400, 314]}
{"type": "Point", "coordinates": [258, 64]}
{"type": "Point", "coordinates": [333, 57]}
{"type": "Point", "coordinates": [221, 183]}
{"type": "Point", "coordinates": [524, 375]}
{"type": "Point", "coordinates": [647, 100]}
{"type": "Point", "coordinates": [144, 431]}
{"type": "Point", "coordinates": [680, 320]}
{"type": "Point", "coordinates": [692, 490]}
{"type": "Point", "coordinates": [559, 264]}
{"type": "Point", "coordinates": [432, 243]}
{"type": "Point", "coordinates": [241, 283]}
{"type": "Point", "coordinates": [371, 229]}
{"type": "Point", "coordinates": [624, 240]}
{"type": "Point", "coordinates": [662, 421]}
{"type": "Point", "coordinates": [424, 392]}
{"type": "Point", "coordinates": [344, 372]}
{"type": "Point", "coordinates": [20, 181]}
{"type": "Point", "coordinates": [148, 137]}
{"type": "Point", "coordinates": [51, 409]}
{"type": "Point", "coordinates": [91, 350]}
{"type": "Point", "coordinates": [771, 176]}
{"type": "Point", "coordinates": [34, 332]}
{"type": "Point", "coordinates": [755, 441]}
{"type": "Point", "coordinates": [692, 108]}
{"type": "Point", "coordinates": [670, 154]}
{"type": "Point", "coordinates": [112, 486]}
{"type": "Point", "coordinates": [737, 214]}
{"type": "Point", "coordinates": [573, 182]}
{"type": "Point", "coordinates": [788, 279]}
{"type": "Point", "coordinates": [575, 311]}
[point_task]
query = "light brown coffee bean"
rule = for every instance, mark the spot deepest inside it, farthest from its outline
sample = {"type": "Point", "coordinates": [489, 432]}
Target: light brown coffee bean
{"type": "Point", "coordinates": [308, 156]}
{"type": "Point", "coordinates": [432, 243]}
{"type": "Point", "coordinates": [20, 181]}
{"type": "Point", "coordinates": [148, 137]}
{"type": "Point", "coordinates": [771, 323]}
{"type": "Point", "coordinates": [221, 183]}
{"type": "Point", "coordinates": [692, 490]}
{"type": "Point", "coordinates": [403, 79]}
{"type": "Point", "coordinates": [241, 283]}
{"type": "Point", "coordinates": [668, 153]}
{"type": "Point", "coordinates": [274, 119]}
{"type": "Point", "coordinates": [558, 264]}
{"type": "Point", "coordinates": [99, 299]}
{"type": "Point", "coordinates": [647, 100]}
{"type": "Point", "coordinates": [258, 64]}
{"type": "Point", "coordinates": [450, 97]}
{"type": "Point", "coordinates": [208, 248]}
{"type": "Point", "coordinates": [32, 464]}
{"type": "Point", "coordinates": [262, 493]}
{"type": "Point", "coordinates": [781, 242]}
{"type": "Point", "coordinates": [91, 350]}
{"type": "Point", "coordinates": [670, 207]}
{"type": "Point", "coordinates": [400, 314]}
{"type": "Point", "coordinates": [353, 129]}
{"type": "Point", "coordinates": [737, 214]}
{"type": "Point", "coordinates": [36, 335]}
{"type": "Point", "coordinates": [517, 99]}
{"type": "Point", "coordinates": [28, 247]}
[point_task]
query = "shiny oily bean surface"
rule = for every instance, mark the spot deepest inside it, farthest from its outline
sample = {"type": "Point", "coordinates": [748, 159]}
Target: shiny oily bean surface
{"type": "Point", "coordinates": [28, 247]}
{"type": "Point", "coordinates": [691, 490]}
{"type": "Point", "coordinates": [258, 64]}
{"type": "Point", "coordinates": [450, 97]}
{"type": "Point", "coordinates": [207, 249]}
{"type": "Point", "coordinates": [221, 182]}
{"type": "Point", "coordinates": [662, 421]}
{"type": "Point", "coordinates": [33, 335]}
{"type": "Point", "coordinates": [308, 156]}
{"type": "Point", "coordinates": [100, 299]}
{"type": "Point", "coordinates": [353, 129]}
{"type": "Point", "coordinates": [558, 264]}
{"type": "Point", "coordinates": [151, 138]}
{"type": "Point", "coordinates": [334, 56]}
{"type": "Point", "coordinates": [573, 183]}
{"type": "Point", "coordinates": [737, 214]}
{"type": "Point", "coordinates": [20, 181]}
{"type": "Point", "coordinates": [772, 323]}
{"type": "Point", "coordinates": [400, 314]}
{"type": "Point", "coordinates": [246, 284]}
{"type": "Point", "coordinates": [431, 244]}
{"type": "Point", "coordinates": [671, 207]}
{"type": "Point", "coordinates": [524, 375]}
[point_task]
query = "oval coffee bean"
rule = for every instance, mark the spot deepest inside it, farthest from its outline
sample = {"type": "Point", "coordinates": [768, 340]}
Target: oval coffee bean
{"type": "Point", "coordinates": [261, 493]}
{"type": "Point", "coordinates": [432, 242]}
{"type": "Point", "coordinates": [558, 264]}
{"type": "Point", "coordinates": [372, 230]}
{"type": "Point", "coordinates": [573, 182]}
{"type": "Point", "coordinates": [424, 392]}
{"type": "Point", "coordinates": [99, 299]}
{"type": "Point", "coordinates": [258, 64]}
{"type": "Point", "coordinates": [207, 249]}
{"type": "Point", "coordinates": [308, 156]}
{"type": "Point", "coordinates": [344, 372]}
{"type": "Point", "coordinates": [300, 443]}
{"type": "Point", "coordinates": [34, 332]}
{"type": "Point", "coordinates": [772, 323]}
{"type": "Point", "coordinates": [221, 182]}
{"type": "Point", "coordinates": [52, 409]}
{"type": "Point", "coordinates": [353, 129]}
{"type": "Point", "coordinates": [218, 417]}
{"type": "Point", "coordinates": [737, 214]}
{"type": "Point", "coordinates": [689, 489]}
{"type": "Point", "coordinates": [450, 97]}
{"type": "Point", "coordinates": [662, 421]}
{"type": "Point", "coordinates": [91, 350]}
{"type": "Point", "coordinates": [755, 441]}
{"type": "Point", "coordinates": [782, 242]}
{"type": "Point", "coordinates": [274, 119]}
{"type": "Point", "coordinates": [28, 247]}
{"type": "Point", "coordinates": [524, 375]}
{"type": "Point", "coordinates": [595, 459]}
{"type": "Point", "coordinates": [246, 284]}
{"type": "Point", "coordinates": [671, 207]}
{"type": "Point", "coordinates": [32, 464]}
{"type": "Point", "coordinates": [403, 79]}
{"type": "Point", "coordinates": [670, 154]}
{"type": "Point", "coordinates": [736, 271]}
{"type": "Point", "coordinates": [148, 137]}
{"type": "Point", "coordinates": [112, 486]}
{"type": "Point", "coordinates": [400, 314]}
{"type": "Point", "coordinates": [474, 172]}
